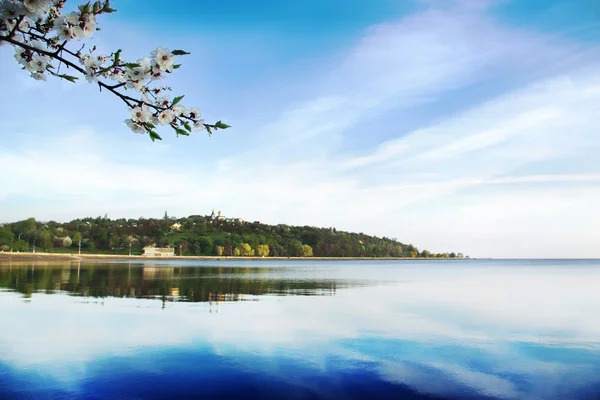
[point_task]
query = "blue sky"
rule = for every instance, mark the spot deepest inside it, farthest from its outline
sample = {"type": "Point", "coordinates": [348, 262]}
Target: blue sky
{"type": "Point", "coordinates": [458, 125]}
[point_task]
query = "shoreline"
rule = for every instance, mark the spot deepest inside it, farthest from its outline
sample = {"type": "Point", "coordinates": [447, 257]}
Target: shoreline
{"type": "Point", "coordinates": [74, 257]}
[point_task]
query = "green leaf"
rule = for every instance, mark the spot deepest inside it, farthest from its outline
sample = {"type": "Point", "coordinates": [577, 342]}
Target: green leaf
{"type": "Point", "coordinates": [176, 66]}
{"type": "Point", "coordinates": [221, 125]}
{"type": "Point", "coordinates": [209, 130]}
{"type": "Point", "coordinates": [154, 136]}
{"type": "Point", "coordinates": [150, 125]}
{"type": "Point", "coordinates": [117, 57]}
{"type": "Point", "coordinates": [68, 77]}
{"type": "Point", "coordinates": [179, 53]}
{"type": "Point", "coordinates": [177, 99]}
{"type": "Point", "coordinates": [132, 65]}
{"type": "Point", "coordinates": [181, 132]}
{"type": "Point", "coordinates": [187, 126]}
{"type": "Point", "coordinates": [107, 8]}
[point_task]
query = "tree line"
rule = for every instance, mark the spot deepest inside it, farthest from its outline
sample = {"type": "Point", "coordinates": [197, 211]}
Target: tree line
{"type": "Point", "coordinates": [198, 235]}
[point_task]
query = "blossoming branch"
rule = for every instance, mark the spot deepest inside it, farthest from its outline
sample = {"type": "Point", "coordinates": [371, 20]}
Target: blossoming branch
{"type": "Point", "coordinates": [41, 35]}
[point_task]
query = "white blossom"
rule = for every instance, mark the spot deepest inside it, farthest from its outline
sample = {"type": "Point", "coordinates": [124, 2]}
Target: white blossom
{"type": "Point", "coordinates": [72, 18]}
{"type": "Point", "coordinates": [90, 76]}
{"type": "Point", "coordinates": [134, 126]}
{"type": "Point", "coordinates": [38, 76]}
{"type": "Point", "coordinates": [140, 114]}
{"type": "Point", "coordinates": [83, 58]}
{"type": "Point", "coordinates": [87, 18]}
{"type": "Point", "coordinates": [10, 24]}
{"type": "Point", "coordinates": [144, 64]}
{"type": "Point", "coordinates": [37, 44]}
{"type": "Point", "coordinates": [136, 73]}
{"type": "Point", "coordinates": [24, 25]}
{"type": "Point", "coordinates": [178, 110]}
{"type": "Point", "coordinates": [199, 125]}
{"type": "Point", "coordinates": [77, 32]}
{"type": "Point", "coordinates": [136, 85]}
{"type": "Point", "coordinates": [164, 58]}
{"type": "Point", "coordinates": [59, 22]}
{"type": "Point", "coordinates": [165, 117]}
{"type": "Point", "coordinates": [21, 55]}
{"type": "Point", "coordinates": [37, 8]}
{"type": "Point", "coordinates": [89, 61]}
{"type": "Point", "coordinates": [64, 32]}
{"type": "Point", "coordinates": [162, 101]}
{"type": "Point", "coordinates": [157, 72]}
{"type": "Point", "coordinates": [194, 113]}
{"type": "Point", "coordinates": [118, 75]}
{"type": "Point", "coordinates": [37, 64]}
{"type": "Point", "coordinates": [10, 10]}
{"type": "Point", "coordinates": [89, 29]}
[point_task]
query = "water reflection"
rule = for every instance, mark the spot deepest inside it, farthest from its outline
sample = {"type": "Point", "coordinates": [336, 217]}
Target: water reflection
{"type": "Point", "coordinates": [159, 281]}
{"type": "Point", "coordinates": [477, 331]}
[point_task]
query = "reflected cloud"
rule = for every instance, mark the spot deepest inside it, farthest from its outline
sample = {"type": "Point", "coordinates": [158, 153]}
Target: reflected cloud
{"type": "Point", "coordinates": [505, 330]}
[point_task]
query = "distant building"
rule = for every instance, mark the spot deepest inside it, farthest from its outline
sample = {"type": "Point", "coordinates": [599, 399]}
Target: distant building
{"type": "Point", "coordinates": [219, 217]}
{"type": "Point", "coordinates": [152, 251]}
{"type": "Point", "coordinates": [176, 226]}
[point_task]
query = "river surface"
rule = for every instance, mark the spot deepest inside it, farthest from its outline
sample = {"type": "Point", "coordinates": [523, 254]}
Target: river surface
{"type": "Point", "coordinates": [301, 330]}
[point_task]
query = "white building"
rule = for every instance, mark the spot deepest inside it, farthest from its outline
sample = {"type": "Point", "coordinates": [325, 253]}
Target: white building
{"type": "Point", "coordinates": [220, 217]}
{"type": "Point", "coordinates": [152, 251]}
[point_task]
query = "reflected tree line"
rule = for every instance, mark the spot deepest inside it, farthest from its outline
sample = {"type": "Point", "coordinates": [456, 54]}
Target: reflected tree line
{"type": "Point", "coordinates": [191, 284]}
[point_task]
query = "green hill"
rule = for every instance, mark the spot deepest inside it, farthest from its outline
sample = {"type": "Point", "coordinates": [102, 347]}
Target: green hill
{"type": "Point", "coordinates": [201, 236]}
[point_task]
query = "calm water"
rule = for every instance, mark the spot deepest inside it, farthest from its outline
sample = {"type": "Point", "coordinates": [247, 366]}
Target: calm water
{"type": "Point", "coordinates": [301, 330]}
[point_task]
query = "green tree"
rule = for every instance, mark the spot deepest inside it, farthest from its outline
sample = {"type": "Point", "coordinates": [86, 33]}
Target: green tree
{"type": "Point", "coordinates": [307, 251]}
{"type": "Point", "coordinates": [45, 239]}
{"type": "Point", "coordinates": [228, 248]}
{"type": "Point", "coordinates": [30, 224]}
{"type": "Point", "coordinates": [246, 249]}
{"type": "Point", "coordinates": [206, 245]}
{"type": "Point", "coordinates": [262, 250]}
{"type": "Point", "coordinates": [220, 250]}
{"type": "Point", "coordinates": [77, 238]}
{"type": "Point", "coordinates": [6, 236]}
{"type": "Point", "coordinates": [276, 250]}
